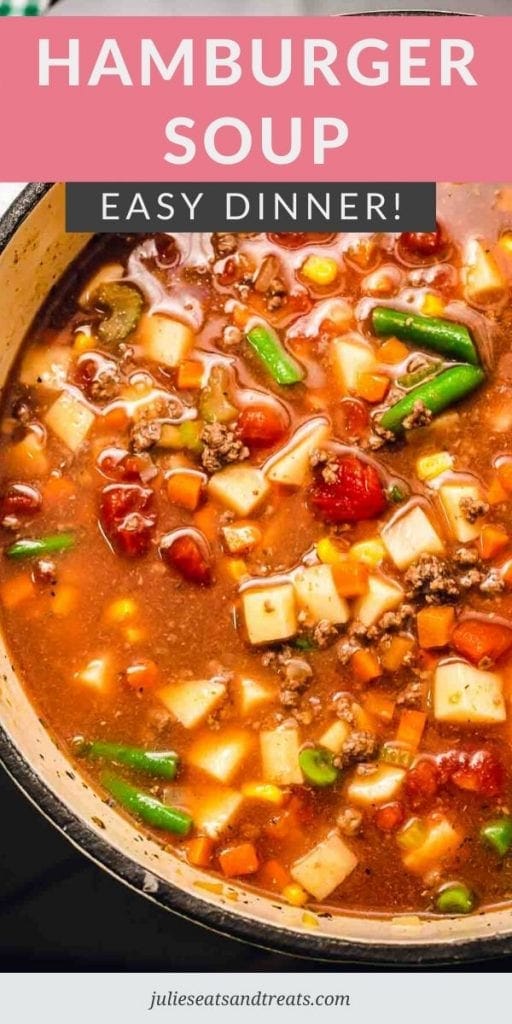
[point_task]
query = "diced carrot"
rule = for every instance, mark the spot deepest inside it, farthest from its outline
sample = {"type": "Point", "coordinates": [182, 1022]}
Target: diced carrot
{"type": "Point", "coordinates": [363, 719]}
{"type": "Point", "coordinates": [239, 860]}
{"type": "Point", "coordinates": [184, 489]}
{"type": "Point", "coordinates": [477, 639]}
{"type": "Point", "coordinates": [114, 421]}
{"type": "Point", "coordinates": [240, 316]}
{"type": "Point", "coordinates": [492, 540]}
{"type": "Point", "coordinates": [496, 493]}
{"type": "Point", "coordinates": [273, 875]}
{"type": "Point", "coordinates": [142, 675]}
{"type": "Point", "coordinates": [392, 351]}
{"type": "Point", "coordinates": [393, 656]}
{"type": "Point", "coordinates": [207, 520]}
{"type": "Point", "coordinates": [190, 374]}
{"type": "Point", "coordinates": [410, 727]}
{"type": "Point", "coordinates": [504, 471]}
{"type": "Point", "coordinates": [435, 625]}
{"type": "Point", "coordinates": [365, 665]}
{"type": "Point", "coordinates": [389, 817]}
{"type": "Point", "coordinates": [57, 489]}
{"type": "Point", "coordinates": [380, 705]}
{"type": "Point", "coordinates": [17, 590]}
{"type": "Point", "coordinates": [351, 578]}
{"type": "Point", "coordinates": [373, 387]}
{"type": "Point", "coordinates": [199, 851]}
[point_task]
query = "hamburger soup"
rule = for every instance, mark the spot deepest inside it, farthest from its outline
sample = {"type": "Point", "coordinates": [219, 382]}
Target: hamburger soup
{"type": "Point", "coordinates": [256, 568]}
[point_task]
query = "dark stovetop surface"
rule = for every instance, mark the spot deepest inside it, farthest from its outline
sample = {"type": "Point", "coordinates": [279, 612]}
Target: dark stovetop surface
{"type": "Point", "coordinates": [59, 912]}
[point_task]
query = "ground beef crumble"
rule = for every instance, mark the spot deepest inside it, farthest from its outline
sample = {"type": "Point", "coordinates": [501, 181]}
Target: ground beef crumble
{"type": "Point", "coordinates": [413, 695]}
{"type": "Point", "coordinates": [429, 579]}
{"type": "Point", "coordinates": [221, 447]}
{"type": "Point", "coordinates": [359, 746]}
{"type": "Point", "coordinates": [473, 509]}
{"type": "Point", "coordinates": [324, 633]}
{"type": "Point", "coordinates": [419, 417]}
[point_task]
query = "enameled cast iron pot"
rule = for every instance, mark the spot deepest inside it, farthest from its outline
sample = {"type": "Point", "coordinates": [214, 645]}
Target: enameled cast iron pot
{"type": "Point", "coordinates": [34, 252]}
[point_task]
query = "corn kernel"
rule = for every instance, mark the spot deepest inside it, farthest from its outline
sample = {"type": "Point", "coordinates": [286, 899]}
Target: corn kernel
{"type": "Point", "coordinates": [328, 552]}
{"type": "Point", "coordinates": [433, 305]}
{"type": "Point", "coordinates": [505, 242]}
{"type": "Point", "coordinates": [121, 610]}
{"type": "Point", "coordinates": [264, 791]}
{"type": "Point", "coordinates": [237, 569]}
{"type": "Point", "coordinates": [370, 552]}
{"type": "Point", "coordinates": [321, 270]}
{"type": "Point", "coordinates": [429, 466]}
{"type": "Point", "coordinates": [135, 635]}
{"type": "Point", "coordinates": [295, 895]}
{"type": "Point", "coordinates": [83, 342]}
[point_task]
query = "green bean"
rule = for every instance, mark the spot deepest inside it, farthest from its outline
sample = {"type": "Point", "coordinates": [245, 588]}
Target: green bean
{"type": "Point", "coordinates": [28, 547]}
{"type": "Point", "coordinates": [162, 764]}
{"type": "Point", "coordinates": [146, 807]}
{"type": "Point", "coordinates": [410, 380]}
{"type": "Point", "coordinates": [274, 357]}
{"type": "Point", "coordinates": [498, 835]}
{"type": "Point", "coordinates": [436, 394]}
{"type": "Point", "coordinates": [316, 765]}
{"type": "Point", "coordinates": [455, 898]}
{"type": "Point", "coordinates": [123, 304]}
{"type": "Point", "coordinates": [183, 435]}
{"type": "Point", "coordinates": [444, 336]}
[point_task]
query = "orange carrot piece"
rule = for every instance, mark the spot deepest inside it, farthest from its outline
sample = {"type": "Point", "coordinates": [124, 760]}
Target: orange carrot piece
{"type": "Point", "coordinates": [393, 656]}
{"type": "Point", "coordinates": [239, 860]}
{"type": "Point", "coordinates": [435, 625]}
{"type": "Point", "coordinates": [410, 727]}
{"type": "Point", "coordinates": [365, 665]}
{"type": "Point", "coordinates": [492, 540]}
{"type": "Point", "coordinates": [114, 421]}
{"type": "Point", "coordinates": [273, 875]}
{"type": "Point", "coordinates": [240, 316]}
{"type": "Point", "coordinates": [476, 639]}
{"type": "Point", "coordinates": [496, 493]}
{"type": "Point", "coordinates": [207, 520]}
{"type": "Point", "coordinates": [381, 705]}
{"type": "Point", "coordinates": [142, 675]}
{"type": "Point", "coordinates": [184, 489]}
{"type": "Point", "coordinates": [190, 374]}
{"type": "Point", "coordinates": [199, 851]}
{"type": "Point", "coordinates": [17, 590]}
{"type": "Point", "coordinates": [350, 578]}
{"type": "Point", "coordinates": [504, 471]}
{"type": "Point", "coordinates": [58, 489]}
{"type": "Point", "coordinates": [373, 387]}
{"type": "Point", "coordinates": [392, 351]}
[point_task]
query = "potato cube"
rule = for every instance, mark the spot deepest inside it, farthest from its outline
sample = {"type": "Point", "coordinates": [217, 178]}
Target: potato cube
{"type": "Point", "coordinates": [215, 811]}
{"type": "Point", "coordinates": [333, 738]}
{"type": "Point", "coordinates": [241, 488]}
{"type": "Point", "coordinates": [46, 366]}
{"type": "Point", "coordinates": [316, 593]}
{"type": "Point", "coordinates": [240, 538]}
{"type": "Point", "coordinates": [441, 842]}
{"type": "Point", "coordinates": [70, 419]}
{"type": "Point", "coordinates": [292, 467]}
{"type": "Point", "coordinates": [270, 613]}
{"type": "Point", "coordinates": [351, 356]}
{"type": "Point", "coordinates": [383, 596]}
{"type": "Point", "coordinates": [251, 695]}
{"type": "Point", "coordinates": [220, 754]}
{"type": "Point", "coordinates": [280, 756]}
{"type": "Point", "coordinates": [451, 496]}
{"type": "Point", "coordinates": [410, 535]}
{"type": "Point", "coordinates": [193, 701]}
{"type": "Point", "coordinates": [165, 340]}
{"type": "Point", "coordinates": [96, 674]}
{"type": "Point", "coordinates": [467, 695]}
{"type": "Point", "coordinates": [325, 867]}
{"type": "Point", "coordinates": [382, 785]}
{"type": "Point", "coordinates": [27, 458]}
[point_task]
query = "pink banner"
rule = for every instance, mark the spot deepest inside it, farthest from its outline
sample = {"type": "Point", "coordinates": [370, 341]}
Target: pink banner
{"type": "Point", "coordinates": [255, 99]}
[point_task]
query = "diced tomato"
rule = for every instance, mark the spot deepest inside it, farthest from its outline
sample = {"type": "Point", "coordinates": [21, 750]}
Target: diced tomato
{"type": "Point", "coordinates": [422, 781]}
{"type": "Point", "coordinates": [19, 500]}
{"type": "Point", "coordinates": [422, 244]}
{"type": "Point", "coordinates": [118, 464]}
{"type": "Point", "coordinates": [356, 494]}
{"type": "Point", "coordinates": [142, 675]}
{"type": "Point", "coordinates": [352, 418]}
{"type": "Point", "coordinates": [90, 367]}
{"type": "Point", "coordinates": [188, 557]}
{"type": "Point", "coordinates": [261, 426]}
{"type": "Point", "coordinates": [477, 639]}
{"type": "Point", "coordinates": [127, 517]}
{"type": "Point", "coordinates": [389, 817]}
{"type": "Point", "coordinates": [478, 772]}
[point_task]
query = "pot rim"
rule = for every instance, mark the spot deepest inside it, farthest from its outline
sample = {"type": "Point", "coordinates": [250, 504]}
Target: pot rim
{"type": "Point", "coordinates": [223, 921]}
